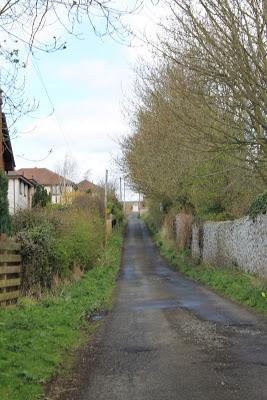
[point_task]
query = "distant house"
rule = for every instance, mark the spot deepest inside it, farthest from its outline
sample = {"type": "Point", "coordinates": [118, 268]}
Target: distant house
{"type": "Point", "coordinates": [89, 187]}
{"type": "Point", "coordinates": [7, 162]}
{"type": "Point", "coordinates": [134, 207]}
{"type": "Point", "coordinates": [20, 192]}
{"type": "Point", "coordinates": [59, 187]}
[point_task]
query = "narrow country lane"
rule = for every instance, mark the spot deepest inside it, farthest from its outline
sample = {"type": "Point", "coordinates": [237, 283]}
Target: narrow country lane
{"type": "Point", "coordinates": [169, 338]}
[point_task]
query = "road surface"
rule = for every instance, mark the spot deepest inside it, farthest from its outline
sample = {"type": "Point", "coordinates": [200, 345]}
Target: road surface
{"type": "Point", "coordinates": [170, 338]}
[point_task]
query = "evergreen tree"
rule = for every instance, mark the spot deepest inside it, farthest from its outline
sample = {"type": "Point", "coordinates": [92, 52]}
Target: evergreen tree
{"type": "Point", "coordinates": [41, 198]}
{"type": "Point", "coordinates": [5, 220]}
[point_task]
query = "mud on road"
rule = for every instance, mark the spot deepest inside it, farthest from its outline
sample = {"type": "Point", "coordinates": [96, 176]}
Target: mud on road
{"type": "Point", "coordinates": [169, 338]}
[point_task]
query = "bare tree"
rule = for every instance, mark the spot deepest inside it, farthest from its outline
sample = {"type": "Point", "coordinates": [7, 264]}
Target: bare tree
{"type": "Point", "coordinates": [178, 151]}
{"type": "Point", "coordinates": [67, 170]}
{"type": "Point", "coordinates": [224, 43]}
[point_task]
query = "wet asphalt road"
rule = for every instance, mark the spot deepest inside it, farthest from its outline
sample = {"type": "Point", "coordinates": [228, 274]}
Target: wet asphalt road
{"type": "Point", "coordinates": [169, 338]}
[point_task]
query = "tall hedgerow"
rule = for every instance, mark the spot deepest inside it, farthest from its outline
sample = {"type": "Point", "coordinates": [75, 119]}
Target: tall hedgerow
{"type": "Point", "coordinates": [57, 242]}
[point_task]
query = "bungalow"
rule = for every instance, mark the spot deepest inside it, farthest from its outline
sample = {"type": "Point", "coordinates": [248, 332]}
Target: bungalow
{"type": "Point", "coordinates": [89, 187]}
{"type": "Point", "coordinates": [60, 188]}
{"type": "Point", "coordinates": [20, 192]}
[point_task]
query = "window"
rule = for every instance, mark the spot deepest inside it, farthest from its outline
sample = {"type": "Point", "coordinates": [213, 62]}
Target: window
{"type": "Point", "coordinates": [21, 187]}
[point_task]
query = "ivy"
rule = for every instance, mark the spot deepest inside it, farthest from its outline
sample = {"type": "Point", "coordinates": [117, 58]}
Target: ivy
{"type": "Point", "coordinates": [258, 206]}
{"type": "Point", "coordinates": [5, 220]}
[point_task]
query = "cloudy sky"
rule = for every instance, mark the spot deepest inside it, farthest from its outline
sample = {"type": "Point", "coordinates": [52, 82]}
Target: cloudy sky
{"type": "Point", "coordinates": [81, 91]}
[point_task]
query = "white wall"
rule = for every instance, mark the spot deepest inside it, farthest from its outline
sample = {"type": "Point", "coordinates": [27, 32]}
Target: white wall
{"type": "Point", "coordinates": [16, 199]}
{"type": "Point", "coordinates": [241, 242]}
{"type": "Point", "coordinates": [57, 197]}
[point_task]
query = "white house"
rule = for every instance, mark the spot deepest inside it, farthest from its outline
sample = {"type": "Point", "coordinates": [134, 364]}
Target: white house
{"type": "Point", "coordinates": [20, 192]}
{"type": "Point", "coordinates": [57, 185]}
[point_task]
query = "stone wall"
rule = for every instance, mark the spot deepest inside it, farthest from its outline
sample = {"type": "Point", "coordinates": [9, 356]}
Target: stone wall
{"type": "Point", "coordinates": [241, 243]}
{"type": "Point", "coordinates": [183, 228]}
{"type": "Point", "coordinates": [196, 244]}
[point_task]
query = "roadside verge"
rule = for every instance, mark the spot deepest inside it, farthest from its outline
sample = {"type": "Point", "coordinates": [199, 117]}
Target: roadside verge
{"type": "Point", "coordinates": [35, 337]}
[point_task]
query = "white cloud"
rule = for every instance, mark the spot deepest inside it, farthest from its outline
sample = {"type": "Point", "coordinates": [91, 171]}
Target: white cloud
{"type": "Point", "coordinates": [94, 74]}
{"type": "Point", "coordinates": [87, 130]}
{"type": "Point", "coordinates": [86, 90]}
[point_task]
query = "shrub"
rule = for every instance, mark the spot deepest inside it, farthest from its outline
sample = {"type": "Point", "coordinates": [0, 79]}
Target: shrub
{"type": "Point", "coordinates": [116, 209]}
{"type": "Point", "coordinates": [55, 241]}
{"type": "Point", "coordinates": [258, 206]}
{"type": "Point", "coordinates": [5, 221]}
{"type": "Point", "coordinates": [38, 257]}
{"type": "Point", "coordinates": [40, 198]}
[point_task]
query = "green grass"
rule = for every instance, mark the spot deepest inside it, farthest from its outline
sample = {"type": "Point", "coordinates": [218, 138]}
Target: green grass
{"type": "Point", "coordinates": [36, 337]}
{"type": "Point", "coordinates": [248, 289]}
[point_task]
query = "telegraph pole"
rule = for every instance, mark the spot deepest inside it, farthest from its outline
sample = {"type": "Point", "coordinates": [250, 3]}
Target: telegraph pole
{"type": "Point", "coordinates": [120, 191]}
{"type": "Point", "coordinates": [124, 203]}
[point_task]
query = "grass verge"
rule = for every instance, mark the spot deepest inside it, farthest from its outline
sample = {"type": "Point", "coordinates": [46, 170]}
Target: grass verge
{"type": "Point", "coordinates": [248, 289]}
{"type": "Point", "coordinates": [35, 338]}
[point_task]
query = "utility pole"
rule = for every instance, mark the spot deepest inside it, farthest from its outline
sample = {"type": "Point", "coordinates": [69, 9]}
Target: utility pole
{"type": "Point", "coordinates": [124, 203]}
{"type": "Point", "coordinates": [120, 191]}
{"type": "Point", "coordinates": [106, 206]}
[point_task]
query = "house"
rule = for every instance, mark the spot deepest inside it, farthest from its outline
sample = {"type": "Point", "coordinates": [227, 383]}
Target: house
{"type": "Point", "coordinates": [60, 188]}
{"type": "Point", "coordinates": [134, 207]}
{"type": "Point", "coordinates": [89, 187]}
{"type": "Point", "coordinates": [7, 162]}
{"type": "Point", "coordinates": [20, 192]}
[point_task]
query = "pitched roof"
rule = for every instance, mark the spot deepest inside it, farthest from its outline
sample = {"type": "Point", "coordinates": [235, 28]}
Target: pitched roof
{"type": "Point", "coordinates": [85, 185]}
{"type": "Point", "coordinates": [44, 176]}
{"type": "Point", "coordinates": [16, 175]}
{"type": "Point", "coordinates": [8, 157]}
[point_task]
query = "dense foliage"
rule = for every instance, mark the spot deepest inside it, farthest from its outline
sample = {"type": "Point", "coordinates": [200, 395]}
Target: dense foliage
{"type": "Point", "coordinates": [57, 242]}
{"type": "Point", "coordinates": [5, 221]}
{"type": "Point", "coordinates": [258, 206]}
{"type": "Point", "coordinates": [40, 197]}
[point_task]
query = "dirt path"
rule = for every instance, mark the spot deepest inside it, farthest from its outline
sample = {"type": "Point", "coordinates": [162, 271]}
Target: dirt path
{"type": "Point", "coordinates": [169, 338]}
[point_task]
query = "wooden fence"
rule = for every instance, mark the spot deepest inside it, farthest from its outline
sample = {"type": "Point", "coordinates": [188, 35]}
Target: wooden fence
{"type": "Point", "coordinates": [10, 272]}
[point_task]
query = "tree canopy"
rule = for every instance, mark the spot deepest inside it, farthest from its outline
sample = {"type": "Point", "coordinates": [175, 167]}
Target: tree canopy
{"type": "Point", "coordinates": [199, 120]}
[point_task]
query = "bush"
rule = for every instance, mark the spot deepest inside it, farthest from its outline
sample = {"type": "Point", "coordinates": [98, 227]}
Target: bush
{"type": "Point", "coordinates": [38, 256]}
{"type": "Point", "coordinates": [57, 241]}
{"type": "Point", "coordinates": [258, 206]}
{"type": "Point", "coordinates": [5, 221]}
{"type": "Point", "coordinates": [40, 198]}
